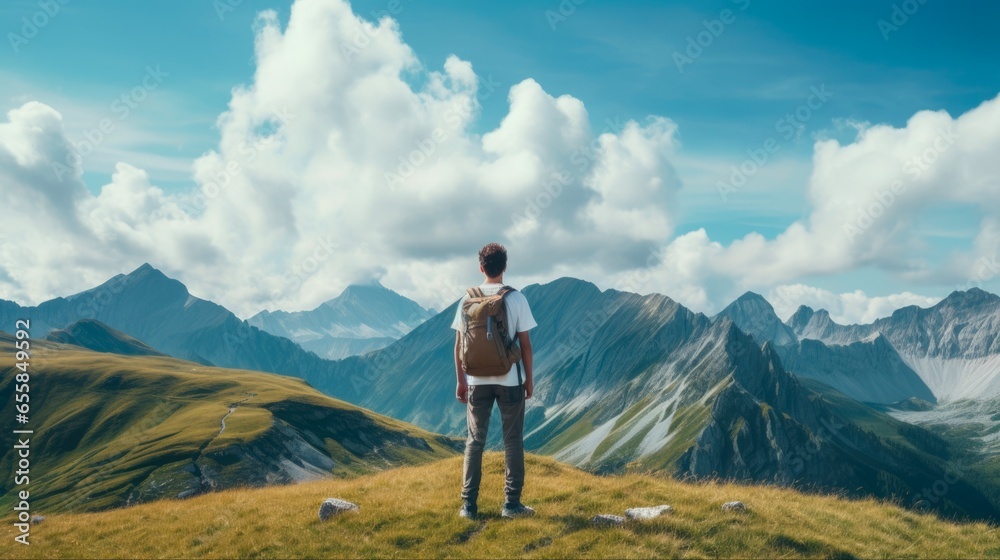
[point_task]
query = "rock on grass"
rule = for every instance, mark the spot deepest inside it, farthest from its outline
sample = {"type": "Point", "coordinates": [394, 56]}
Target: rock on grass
{"type": "Point", "coordinates": [334, 506]}
{"type": "Point", "coordinates": [647, 512]}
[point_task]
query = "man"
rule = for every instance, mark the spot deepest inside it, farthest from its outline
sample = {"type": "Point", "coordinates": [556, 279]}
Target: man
{"type": "Point", "coordinates": [480, 392]}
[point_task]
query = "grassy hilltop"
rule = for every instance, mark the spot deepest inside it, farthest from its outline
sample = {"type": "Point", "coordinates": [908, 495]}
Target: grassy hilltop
{"type": "Point", "coordinates": [411, 512]}
{"type": "Point", "coordinates": [114, 430]}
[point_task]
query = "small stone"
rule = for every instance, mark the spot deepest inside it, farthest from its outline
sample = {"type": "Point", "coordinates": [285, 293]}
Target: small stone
{"type": "Point", "coordinates": [734, 506]}
{"type": "Point", "coordinates": [606, 520]}
{"type": "Point", "coordinates": [36, 519]}
{"type": "Point", "coordinates": [648, 512]}
{"type": "Point", "coordinates": [333, 506]}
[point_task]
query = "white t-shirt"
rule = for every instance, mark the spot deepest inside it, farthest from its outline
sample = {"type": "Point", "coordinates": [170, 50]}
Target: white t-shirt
{"type": "Point", "coordinates": [520, 319]}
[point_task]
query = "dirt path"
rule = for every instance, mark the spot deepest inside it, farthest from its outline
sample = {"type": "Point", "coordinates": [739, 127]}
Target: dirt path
{"type": "Point", "coordinates": [232, 409]}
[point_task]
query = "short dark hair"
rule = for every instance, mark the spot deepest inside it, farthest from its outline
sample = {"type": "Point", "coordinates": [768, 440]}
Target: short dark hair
{"type": "Point", "coordinates": [493, 259]}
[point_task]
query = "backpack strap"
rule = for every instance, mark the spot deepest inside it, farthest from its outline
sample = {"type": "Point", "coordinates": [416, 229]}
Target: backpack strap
{"type": "Point", "coordinates": [475, 292]}
{"type": "Point", "coordinates": [503, 294]}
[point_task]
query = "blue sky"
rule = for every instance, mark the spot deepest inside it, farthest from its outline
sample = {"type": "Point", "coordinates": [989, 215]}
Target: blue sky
{"type": "Point", "coordinates": [618, 58]}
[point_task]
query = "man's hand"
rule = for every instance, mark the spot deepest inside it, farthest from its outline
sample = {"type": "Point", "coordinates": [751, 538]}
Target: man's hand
{"type": "Point", "coordinates": [529, 387]}
{"type": "Point", "coordinates": [462, 392]}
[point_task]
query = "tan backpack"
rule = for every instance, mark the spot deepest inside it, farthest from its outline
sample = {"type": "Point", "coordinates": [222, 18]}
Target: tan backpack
{"type": "Point", "coordinates": [487, 349]}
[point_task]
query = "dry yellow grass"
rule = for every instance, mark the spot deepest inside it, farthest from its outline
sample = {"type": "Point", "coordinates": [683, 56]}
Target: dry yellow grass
{"type": "Point", "coordinates": [411, 512]}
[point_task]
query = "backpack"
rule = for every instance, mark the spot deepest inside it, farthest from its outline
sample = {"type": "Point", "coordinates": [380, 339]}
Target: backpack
{"type": "Point", "coordinates": [487, 349]}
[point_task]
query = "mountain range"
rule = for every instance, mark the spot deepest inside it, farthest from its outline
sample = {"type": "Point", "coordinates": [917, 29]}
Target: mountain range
{"type": "Point", "coordinates": [361, 319]}
{"type": "Point", "coordinates": [953, 346]}
{"type": "Point", "coordinates": [626, 382]}
{"type": "Point", "coordinates": [147, 305]}
{"type": "Point", "coordinates": [629, 382]}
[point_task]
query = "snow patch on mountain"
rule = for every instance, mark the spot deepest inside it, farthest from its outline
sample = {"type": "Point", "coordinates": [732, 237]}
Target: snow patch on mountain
{"type": "Point", "coordinates": [958, 378]}
{"type": "Point", "coordinates": [659, 435]}
{"type": "Point", "coordinates": [654, 415]}
{"type": "Point", "coordinates": [583, 450]}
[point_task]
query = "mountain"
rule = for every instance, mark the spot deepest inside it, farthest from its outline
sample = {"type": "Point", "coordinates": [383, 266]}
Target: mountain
{"type": "Point", "coordinates": [410, 512]}
{"type": "Point", "coordinates": [869, 370]}
{"type": "Point", "coordinates": [115, 430]}
{"type": "Point", "coordinates": [818, 325]}
{"type": "Point", "coordinates": [640, 383]}
{"type": "Point", "coordinates": [96, 336]}
{"type": "Point", "coordinates": [148, 306]}
{"type": "Point", "coordinates": [953, 346]}
{"type": "Point", "coordinates": [361, 319]}
{"type": "Point", "coordinates": [754, 315]}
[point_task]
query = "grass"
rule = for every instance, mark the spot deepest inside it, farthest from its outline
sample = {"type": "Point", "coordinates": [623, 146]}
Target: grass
{"type": "Point", "coordinates": [411, 512]}
{"type": "Point", "coordinates": [113, 429]}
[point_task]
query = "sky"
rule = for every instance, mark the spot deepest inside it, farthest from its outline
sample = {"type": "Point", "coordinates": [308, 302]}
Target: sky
{"type": "Point", "coordinates": [269, 153]}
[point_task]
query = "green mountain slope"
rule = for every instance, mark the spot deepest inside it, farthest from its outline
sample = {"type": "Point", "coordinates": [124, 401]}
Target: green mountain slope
{"type": "Point", "coordinates": [411, 513]}
{"type": "Point", "coordinates": [114, 430]}
{"type": "Point", "coordinates": [95, 335]}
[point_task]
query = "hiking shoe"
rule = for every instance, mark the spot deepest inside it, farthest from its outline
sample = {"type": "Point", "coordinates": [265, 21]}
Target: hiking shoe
{"type": "Point", "coordinates": [468, 511]}
{"type": "Point", "coordinates": [510, 511]}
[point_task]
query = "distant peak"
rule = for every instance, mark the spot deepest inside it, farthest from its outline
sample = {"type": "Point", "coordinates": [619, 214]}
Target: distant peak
{"type": "Point", "coordinates": [972, 296]}
{"type": "Point", "coordinates": [567, 283]}
{"type": "Point", "coordinates": [749, 303]}
{"type": "Point", "coordinates": [571, 281]}
{"type": "Point", "coordinates": [145, 270]}
{"type": "Point", "coordinates": [801, 317]}
{"type": "Point", "coordinates": [752, 296]}
{"type": "Point", "coordinates": [364, 289]}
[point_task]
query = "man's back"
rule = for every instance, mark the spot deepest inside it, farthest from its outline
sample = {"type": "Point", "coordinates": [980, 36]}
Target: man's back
{"type": "Point", "coordinates": [508, 391]}
{"type": "Point", "coordinates": [519, 320]}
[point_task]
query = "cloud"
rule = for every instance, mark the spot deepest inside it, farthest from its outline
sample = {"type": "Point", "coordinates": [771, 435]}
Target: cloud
{"type": "Point", "coordinates": [867, 199]}
{"type": "Point", "coordinates": [346, 158]}
{"type": "Point", "coordinates": [846, 308]}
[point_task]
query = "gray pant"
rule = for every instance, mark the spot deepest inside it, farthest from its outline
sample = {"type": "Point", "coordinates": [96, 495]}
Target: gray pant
{"type": "Point", "coordinates": [511, 403]}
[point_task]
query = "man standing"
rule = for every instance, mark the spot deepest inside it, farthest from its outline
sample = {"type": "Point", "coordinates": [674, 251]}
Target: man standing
{"type": "Point", "coordinates": [479, 392]}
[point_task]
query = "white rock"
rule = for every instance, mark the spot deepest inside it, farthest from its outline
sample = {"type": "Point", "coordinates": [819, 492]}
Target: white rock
{"type": "Point", "coordinates": [606, 520]}
{"type": "Point", "coordinates": [333, 506]}
{"type": "Point", "coordinates": [734, 506]}
{"type": "Point", "coordinates": [36, 519]}
{"type": "Point", "coordinates": [647, 512]}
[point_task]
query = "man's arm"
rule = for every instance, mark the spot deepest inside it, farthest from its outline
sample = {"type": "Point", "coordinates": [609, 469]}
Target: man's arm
{"type": "Point", "coordinates": [529, 383]}
{"type": "Point", "coordinates": [462, 390]}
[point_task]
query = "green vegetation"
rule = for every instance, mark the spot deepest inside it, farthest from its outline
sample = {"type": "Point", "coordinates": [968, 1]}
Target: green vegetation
{"type": "Point", "coordinates": [115, 430]}
{"type": "Point", "coordinates": [411, 512]}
